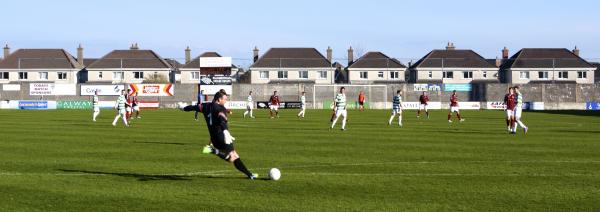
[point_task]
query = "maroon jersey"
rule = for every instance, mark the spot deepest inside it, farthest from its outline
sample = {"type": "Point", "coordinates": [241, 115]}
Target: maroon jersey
{"type": "Point", "coordinates": [274, 100]}
{"type": "Point", "coordinates": [134, 100]}
{"type": "Point", "coordinates": [511, 102]}
{"type": "Point", "coordinates": [424, 99]}
{"type": "Point", "coordinates": [453, 101]}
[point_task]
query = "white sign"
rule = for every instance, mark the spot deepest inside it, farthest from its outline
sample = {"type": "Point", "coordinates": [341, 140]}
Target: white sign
{"type": "Point", "coordinates": [103, 90]}
{"type": "Point", "coordinates": [415, 105]}
{"type": "Point", "coordinates": [236, 105]}
{"type": "Point", "coordinates": [469, 105]}
{"type": "Point", "coordinates": [11, 87]}
{"type": "Point", "coordinates": [213, 62]}
{"type": "Point", "coordinates": [495, 106]}
{"type": "Point", "coordinates": [52, 89]}
{"type": "Point", "coordinates": [211, 90]}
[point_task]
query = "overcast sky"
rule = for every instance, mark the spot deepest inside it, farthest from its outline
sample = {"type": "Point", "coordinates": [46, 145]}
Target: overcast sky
{"type": "Point", "coordinates": [401, 29]}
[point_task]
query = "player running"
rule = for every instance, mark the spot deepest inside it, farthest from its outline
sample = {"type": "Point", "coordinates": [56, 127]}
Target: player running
{"type": "Point", "coordinates": [249, 105]}
{"type": "Point", "coordinates": [96, 105]}
{"type": "Point", "coordinates": [215, 115]}
{"type": "Point", "coordinates": [518, 111]}
{"type": "Point", "coordinates": [424, 100]}
{"type": "Point", "coordinates": [120, 105]}
{"type": "Point", "coordinates": [454, 108]}
{"type": "Point", "coordinates": [302, 105]}
{"type": "Point", "coordinates": [136, 105]}
{"type": "Point", "coordinates": [361, 100]}
{"type": "Point", "coordinates": [274, 107]}
{"type": "Point", "coordinates": [396, 108]}
{"type": "Point", "coordinates": [340, 108]}
{"type": "Point", "coordinates": [511, 104]}
{"type": "Point", "coordinates": [128, 105]}
{"type": "Point", "coordinates": [200, 100]}
{"type": "Point", "coordinates": [508, 116]}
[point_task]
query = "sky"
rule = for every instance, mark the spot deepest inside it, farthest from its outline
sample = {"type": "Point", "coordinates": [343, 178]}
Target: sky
{"type": "Point", "coordinates": [401, 29]}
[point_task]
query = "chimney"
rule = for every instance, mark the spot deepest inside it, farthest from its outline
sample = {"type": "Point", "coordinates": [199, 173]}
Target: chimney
{"type": "Point", "coordinates": [6, 51]}
{"type": "Point", "coordinates": [505, 53]}
{"type": "Point", "coordinates": [255, 54]}
{"type": "Point", "coordinates": [329, 54]}
{"type": "Point", "coordinates": [498, 61]}
{"type": "Point", "coordinates": [450, 46]}
{"type": "Point", "coordinates": [188, 56]}
{"type": "Point", "coordinates": [576, 51]}
{"type": "Point", "coordinates": [134, 46]}
{"type": "Point", "coordinates": [80, 55]}
{"type": "Point", "coordinates": [350, 56]}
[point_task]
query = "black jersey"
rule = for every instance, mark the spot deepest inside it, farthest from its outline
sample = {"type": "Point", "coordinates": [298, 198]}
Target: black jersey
{"type": "Point", "coordinates": [215, 116]}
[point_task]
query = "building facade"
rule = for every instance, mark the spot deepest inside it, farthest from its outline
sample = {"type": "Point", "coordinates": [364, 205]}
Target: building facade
{"type": "Point", "coordinates": [375, 68]}
{"type": "Point", "coordinates": [292, 65]}
{"type": "Point", "coordinates": [38, 65]}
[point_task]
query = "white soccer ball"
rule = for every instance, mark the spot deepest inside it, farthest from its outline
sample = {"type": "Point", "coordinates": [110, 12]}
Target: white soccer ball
{"type": "Point", "coordinates": [274, 174]}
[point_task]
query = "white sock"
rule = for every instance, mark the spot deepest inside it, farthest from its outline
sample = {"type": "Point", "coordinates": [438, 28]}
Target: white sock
{"type": "Point", "coordinates": [245, 113]}
{"type": "Point", "coordinates": [521, 123]}
{"type": "Point", "coordinates": [96, 115]}
{"type": "Point", "coordinates": [124, 120]}
{"type": "Point", "coordinates": [391, 119]}
{"type": "Point", "coordinates": [400, 119]}
{"type": "Point", "coordinates": [251, 114]}
{"type": "Point", "coordinates": [344, 123]}
{"type": "Point", "coordinates": [334, 121]}
{"type": "Point", "coordinates": [116, 119]}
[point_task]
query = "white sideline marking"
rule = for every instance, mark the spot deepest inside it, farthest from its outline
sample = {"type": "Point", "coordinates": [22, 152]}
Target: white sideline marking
{"type": "Point", "coordinates": [223, 172]}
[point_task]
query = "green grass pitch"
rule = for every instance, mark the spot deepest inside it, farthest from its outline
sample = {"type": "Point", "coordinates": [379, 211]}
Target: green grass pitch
{"type": "Point", "coordinates": [61, 161]}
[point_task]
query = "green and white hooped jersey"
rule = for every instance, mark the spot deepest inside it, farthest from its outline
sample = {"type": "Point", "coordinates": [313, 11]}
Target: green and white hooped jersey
{"type": "Point", "coordinates": [249, 100]}
{"type": "Point", "coordinates": [397, 102]}
{"type": "Point", "coordinates": [519, 100]}
{"type": "Point", "coordinates": [95, 101]}
{"type": "Point", "coordinates": [121, 102]}
{"type": "Point", "coordinates": [303, 100]}
{"type": "Point", "coordinates": [340, 101]}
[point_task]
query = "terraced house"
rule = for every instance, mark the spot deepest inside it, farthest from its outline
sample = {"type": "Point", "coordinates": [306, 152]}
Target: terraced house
{"type": "Point", "coordinates": [453, 65]}
{"type": "Point", "coordinates": [376, 68]}
{"type": "Point", "coordinates": [38, 65]}
{"type": "Point", "coordinates": [548, 65]}
{"type": "Point", "coordinates": [292, 65]}
{"type": "Point", "coordinates": [130, 66]}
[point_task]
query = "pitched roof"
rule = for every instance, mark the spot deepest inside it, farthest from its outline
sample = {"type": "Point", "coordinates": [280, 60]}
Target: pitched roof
{"type": "Point", "coordinates": [546, 58]}
{"type": "Point", "coordinates": [376, 60]}
{"type": "Point", "coordinates": [174, 63]}
{"type": "Point", "coordinates": [292, 58]}
{"type": "Point", "coordinates": [39, 59]}
{"type": "Point", "coordinates": [130, 59]}
{"type": "Point", "coordinates": [88, 61]}
{"type": "Point", "coordinates": [459, 58]}
{"type": "Point", "coordinates": [195, 63]}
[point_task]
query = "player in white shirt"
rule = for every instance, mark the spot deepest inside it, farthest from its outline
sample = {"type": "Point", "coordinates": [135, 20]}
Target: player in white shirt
{"type": "Point", "coordinates": [302, 105]}
{"type": "Point", "coordinates": [396, 108]}
{"type": "Point", "coordinates": [340, 108]}
{"type": "Point", "coordinates": [96, 105]}
{"type": "Point", "coordinates": [249, 105]}
{"type": "Point", "coordinates": [519, 111]}
{"type": "Point", "coordinates": [120, 105]}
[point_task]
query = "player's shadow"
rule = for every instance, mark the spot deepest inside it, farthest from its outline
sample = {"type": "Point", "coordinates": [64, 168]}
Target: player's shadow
{"type": "Point", "coordinates": [140, 177]}
{"type": "Point", "coordinates": [569, 112]}
{"type": "Point", "coordinates": [164, 143]}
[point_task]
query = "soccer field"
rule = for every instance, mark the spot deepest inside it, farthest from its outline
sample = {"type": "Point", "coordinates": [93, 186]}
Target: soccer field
{"type": "Point", "coordinates": [61, 161]}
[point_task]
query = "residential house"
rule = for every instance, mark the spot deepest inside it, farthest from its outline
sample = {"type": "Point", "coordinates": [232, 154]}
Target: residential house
{"type": "Point", "coordinates": [376, 68]}
{"type": "Point", "coordinates": [292, 65]}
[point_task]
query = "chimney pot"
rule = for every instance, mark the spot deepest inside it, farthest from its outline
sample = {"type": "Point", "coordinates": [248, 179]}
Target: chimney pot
{"type": "Point", "coordinates": [576, 51]}
{"type": "Point", "coordinates": [329, 54]}
{"type": "Point", "coordinates": [255, 54]}
{"type": "Point", "coordinates": [6, 51]}
{"type": "Point", "coordinates": [188, 56]}
{"type": "Point", "coordinates": [450, 46]}
{"type": "Point", "coordinates": [80, 54]}
{"type": "Point", "coordinates": [505, 53]}
{"type": "Point", "coordinates": [350, 56]}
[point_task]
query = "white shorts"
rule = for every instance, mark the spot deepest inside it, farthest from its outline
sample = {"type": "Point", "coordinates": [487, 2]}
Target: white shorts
{"type": "Point", "coordinates": [303, 107]}
{"type": "Point", "coordinates": [341, 112]}
{"type": "Point", "coordinates": [128, 109]}
{"type": "Point", "coordinates": [274, 107]}
{"type": "Point", "coordinates": [136, 108]}
{"type": "Point", "coordinates": [96, 109]}
{"type": "Point", "coordinates": [509, 113]}
{"type": "Point", "coordinates": [423, 107]}
{"type": "Point", "coordinates": [396, 111]}
{"type": "Point", "coordinates": [121, 112]}
{"type": "Point", "coordinates": [518, 112]}
{"type": "Point", "coordinates": [454, 109]}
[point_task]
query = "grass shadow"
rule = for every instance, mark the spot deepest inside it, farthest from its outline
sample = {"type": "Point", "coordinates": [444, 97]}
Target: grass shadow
{"type": "Point", "coordinates": [140, 177]}
{"type": "Point", "coordinates": [165, 143]}
{"type": "Point", "coordinates": [569, 112]}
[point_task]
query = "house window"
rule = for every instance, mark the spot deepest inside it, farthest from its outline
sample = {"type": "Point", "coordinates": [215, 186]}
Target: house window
{"type": "Point", "coordinates": [195, 75]}
{"type": "Point", "coordinates": [563, 75]}
{"type": "Point", "coordinates": [380, 74]}
{"type": "Point", "coordinates": [394, 75]}
{"type": "Point", "coordinates": [100, 75]}
{"type": "Point", "coordinates": [581, 74]}
{"type": "Point", "coordinates": [323, 74]}
{"type": "Point", "coordinates": [282, 74]}
{"type": "Point", "coordinates": [61, 75]}
{"type": "Point", "coordinates": [44, 75]}
{"type": "Point", "coordinates": [430, 74]}
{"type": "Point", "coordinates": [543, 75]}
{"type": "Point", "coordinates": [138, 75]}
{"type": "Point", "coordinates": [4, 75]}
{"type": "Point", "coordinates": [524, 74]}
{"type": "Point", "coordinates": [467, 75]}
{"type": "Point", "coordinates": [118, 75]}
{"type": "Point", "coordinates": [263, 74]}
{"type": "Point", "coordinates": [303, 74]}
{"type": "Point", "coordinates": [364, 75]}
{"type": "Point", "coordinates": [22, 75]}
{"type": "Point", "coordinates": [448, 74]}
{"type": "Point", "coordinates": [485, 74]}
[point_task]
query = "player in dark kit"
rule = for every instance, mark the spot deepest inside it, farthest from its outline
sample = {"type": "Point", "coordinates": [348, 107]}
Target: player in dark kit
{"type": "Point", "coordinates": [215, 115]}
{"type": "Point", "coordinates": [423, 100]}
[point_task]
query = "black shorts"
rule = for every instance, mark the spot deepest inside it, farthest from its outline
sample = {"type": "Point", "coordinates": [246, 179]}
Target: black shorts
{"type": "Point", "coordinates": [361, 103]}
{"type": "Point", "coordinates": [218, 142]}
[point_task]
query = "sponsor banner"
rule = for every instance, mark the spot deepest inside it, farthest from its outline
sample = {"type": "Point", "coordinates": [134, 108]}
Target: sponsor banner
{"type": "Point", "coordinates": [262, 104]}
{"type": "Point", "coordinates": [236, 105]}
{"type": "Point", "coordinates": [592, 105]}
{"type": "Point", "coordinates": [495, 106]}
{"type": "Point", "coordinates": [52, 89]}
{"type": "Point", "coordinates": [291, 105]}
{"type": "Point", "coordinates": [11, 87]}
{"type": "Point", "coordinates": [415, 105]}
{"type": "Point", "coordinates": [151, 89]}
{"type": "Point", "coordinates": [103, 90]}
{"type": "Point", "coordinates": [457, 87]}
{"type": "Point", "coordinates": [9, 104]}
{"type": "Point", "coordinates": [149, 104]}
{"type": "Point", "coordinates": [74, 105]}
{"type": "Point", "coordinates": [328, 104]}
{"type": "Point", "coordinates": [214, 62]}
{"type": "Point", "coordinates": [210, 90]}
{"type": "Point", "coordinates": [215, 80]}
{"type": "Point", "coordinates": [427, 87]}
{"type": "Point", "coordinates": [282, 105]}
{"type": "Point", "coordinates": [533, 105]}
{"type": "Point", "coordinates": [36, 105]}
{"type": "Point", "coordinates": [469, 105]}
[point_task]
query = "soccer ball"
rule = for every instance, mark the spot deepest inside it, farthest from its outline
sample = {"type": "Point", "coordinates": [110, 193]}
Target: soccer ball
{"type": "Point", "coordinates": [274, 174]}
